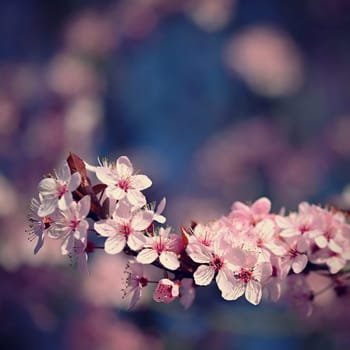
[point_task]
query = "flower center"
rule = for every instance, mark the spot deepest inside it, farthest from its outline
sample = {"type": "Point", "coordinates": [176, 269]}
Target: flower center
{"type": "Point", "coordinates": [245, 275]}
{"type": "Point", "coordinates": [142, 281]}
{"type": "Point", "coordinates": [304, 228]}
{"type": "Point", "coordinates": [124, 184]}
{"type": "Point", "coordinates": [62, 191]}
{"type": "Point", "coordinates": [74, 223]}
{"type": "Point", "coordinates": [159, 247]}
{"type": "Point", "coordinates": [125, 230]}
{"type": "Point", "coordinates": [47, 221]}
{"type": "Point", "coordinates": [292, 252]}
{"type": "Point", "coordinates": [217, 263]}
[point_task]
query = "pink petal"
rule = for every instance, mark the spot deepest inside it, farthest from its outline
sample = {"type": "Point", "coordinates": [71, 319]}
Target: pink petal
{"type": "Point", "coordinates": [74, 182]}
{"type": "Point", "coordinates": [135, 297]}
{"type": "Point", "coordinates": [253, 292]}
{"type": "Point", "coordinates": [334, 246]}
{"type": "Point", "coordinates": [224, 284]}
{"type": "Point", "coordinates": [335, 264]}
{"type": "Point", "coordinates": [47, 186]}
{"type": "Point", "coordinates": [321, 241]}
{"type": "Point", "coordinates": [123, 211]}
{"type": "Point", "coordinates": [290, 232]}
{"type": "Point", "coordinates": [81, 231]}
{"type": "Point", "coordinates": [114, 244]}
{"type": "Point", "coordinates": [262, 271]}
{"type": "Point", "coordinates": [84, 206]}
{"type": "Point", "coordinates": [265, 229]}
{"type": "Point", "coordinates": [147, 256]}
{"type": "Point", "coordinates": [65, 201]}
{"type": "Point", "coordinates": [199, 253]}
{"type": "Point", "coordinates": [115, 192]}
{"type": "Point", "coordinates": [106, 228]}
{"type": "Point", "coordinates": [140, 182]}
{"type": "Point", "coordinates": [238, 288]}
{"type": "Point", "coordinates": [48, 206]}
{"type": "Point", "coordinates": [203, 275]}
{"type": "Point", "coordinates": [299, 263]}
{"type": "Point", "coordinates": [136, 241]}
{"type": "Point", "coordinates": [136, 198]}
{"type": "Point", "coordinates": [142, 220]}
{"type": "Point", "coordinates": [67, 245]}
{"type": "Point", "coordinates": [169, 260]}
{"type": "Point", "coordinates": [262, 206]}
{"type": "Point", "coordinates": [124, 167]}
{"type": "Point", "coordinates": [64, 172]}
{"type": "Point", "coordinates": [106, 176]}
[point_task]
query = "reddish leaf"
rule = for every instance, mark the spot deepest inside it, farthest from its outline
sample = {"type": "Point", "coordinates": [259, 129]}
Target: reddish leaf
{"type": "Point", "coordinates": [184, 234]}
{"type": "Point", "coordinates": [76, 164]}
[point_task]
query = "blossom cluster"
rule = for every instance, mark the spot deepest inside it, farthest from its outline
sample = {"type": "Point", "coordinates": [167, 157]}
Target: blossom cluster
{"type": "Point", "coordinates": [251, 251]}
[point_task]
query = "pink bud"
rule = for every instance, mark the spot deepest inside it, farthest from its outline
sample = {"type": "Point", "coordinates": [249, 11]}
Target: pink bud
{"type": "Point", "coordinates": [166, 291]}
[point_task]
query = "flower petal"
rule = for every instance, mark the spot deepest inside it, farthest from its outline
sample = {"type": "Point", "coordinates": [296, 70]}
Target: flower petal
{"type": "Point", "coordinates": [136, 198]}
{"type": "Point", "coordinates": [115, 244]}
{"type": "Point", "coordinates": [299, 263]}
{"type": "Point", "coordinates": [147, 256]}
{"type": "Point", "coordinates": [238, 288]}
{"type": "Point", "coordinates": [115, 192]}
{"type": "Point", "coordinates": [106, 228]}
{"type": "Point", "coordinates": [124, 167]}
{"type": "Point", "coordinates": [203, 275]}
{"type": "Point", "coordinates": [140, 182]}
{"type": "Point", "coordinates": [253, 292]}
{"type": "Point", "coordinates": [169, 260]}
{"type": "Point", "coordinates": [136, 241]}
{"type": "Point", "coordinates": [74, 182]}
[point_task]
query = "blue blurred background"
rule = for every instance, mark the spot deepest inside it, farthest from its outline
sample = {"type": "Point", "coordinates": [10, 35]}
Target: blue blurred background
{"type": "Point", "coordinates": [215, 100]}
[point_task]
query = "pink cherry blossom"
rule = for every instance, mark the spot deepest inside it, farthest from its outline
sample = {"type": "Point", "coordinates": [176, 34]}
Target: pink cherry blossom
{"type": "Point", "coordinates": [57, 191]}
{"type": "Point", "coordinates": [266, 240]}
{"type": "Point", "coordinates": [296, 257]}
{"type": "Point", "coordinates": [72, 225]}
{"type": "Point", "coordinates": [39, 226]}
{"type": "Point", "coordinates": [214, 260]}
{"type": "Point", "coordinates": [166, 291]}
{"type": "Point", "coordinates": [162, 246]}
{"type": "Point", "coordinates": [203, 234]}
{"type": "Point", "coordinates": [135, 282]}
{"type": "Point", "coordinates": [124, 228]}
{"type": "Point", "coordinates": [249, 276]}
{"type": "Point", "coordinates": [121, 183]}
{"type": "Point", "coordinates": [158, 217]}
{"type": "Point", "coordinates": [253, 214]}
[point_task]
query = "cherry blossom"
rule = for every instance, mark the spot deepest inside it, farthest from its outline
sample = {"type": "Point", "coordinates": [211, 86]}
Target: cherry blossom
{"type": "Point", "coordinates": [57, 191]}
{"type": "Point", "coordinates": [258, 211]}
{"type": "Point", "coordinates": [215, 260]}
{"type": "Point", "coordinates": [72, 225]}
{"type": "Point", "coordinates": [39, 226]}
{"type": "Point", "coordinates": [121, 183]}
{"type": "Point", "coordinates": [162, 246]}
{"type": "Point", "coordinates": [249, 276]}
{"type": "Point", "coordinates": [249, 252]}
{"type": "Point", "coordinates": [135, 282]}
{"type": "Point", "coordinates": [124, 228]}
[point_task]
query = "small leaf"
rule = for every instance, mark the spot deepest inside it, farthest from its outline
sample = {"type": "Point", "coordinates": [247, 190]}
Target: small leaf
{"type": "Point", "coordinates": [184, 234]}
{"type": "Point", "coordinates": [76, 164]}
